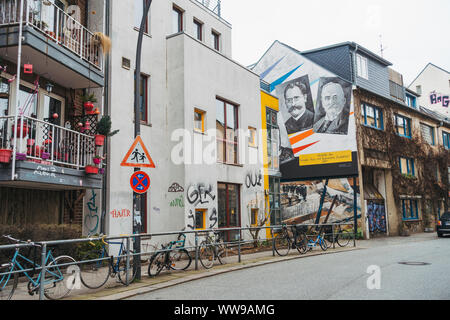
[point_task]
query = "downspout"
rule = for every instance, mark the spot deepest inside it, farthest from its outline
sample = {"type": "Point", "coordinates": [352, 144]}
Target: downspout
{"type": "Point", "coordinates": [106, 111]}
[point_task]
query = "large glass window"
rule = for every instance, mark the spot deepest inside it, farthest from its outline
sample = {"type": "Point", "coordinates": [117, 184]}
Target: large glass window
{"type": "Point", "coordinates": [229, 208]}
{"type": "Point", "coordinates": [274, 201]}
{"type": "Point", "coordinates": [227, 137]}
{"type": "Point", "coordinates": [427, 133]}
{"type": "Point", "coordinates": [28, 100]}
{"type": "Point", "coordinates": [272, 138]}
{"type": "Point", "coordinates": [372, 116]}
{"type": "Point", "coordinates": [407, 166]}
{"type": "Point", "coordinates": [403, 126]}
{"type": "Point", "coordinates": [52, 106]}
{"type": "Point", "coordinates": [446, 140]}
{"type": "Point", "coordinates": [362, 67]}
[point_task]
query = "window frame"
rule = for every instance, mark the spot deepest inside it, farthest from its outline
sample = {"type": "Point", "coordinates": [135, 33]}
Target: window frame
{"type": "Point", "coordinates": [424, 125]}
{"type": "Point", "coordinates": [414, 210]}
{"type": "Point", "coordinates": [362, 67]}
{"type": "Point", "coordinates": [203, 117]}
{"type": "Point", "coordinates": [227, 222]}
{"type": "Point", "coordinates": [446, 140]}
{"type": "Point", "coordinates": [406, 120]}
{"type": "Point", "coordinates": [275, 219]}
{"type": "Point", "coordinates": [271, 141]}
{"type": "Point", "coordinates": [410, 166]}
{"type": "Point", "coordinates": [377, 112]}
{"type": "Point", "coordinates": [180, 13]}
{"type": "Point", "coordinates": [204, 214]}
{"type": "Point", "coordinates": [145, 81]}
{"type": "Point", "coordinates": [252, 138]}
{"type": "Point", "coordinates": [225, 141]}
{"type": "Point", "coordinates": [216, 39]}
{"type": "Point", "coordinates": [198, 28]}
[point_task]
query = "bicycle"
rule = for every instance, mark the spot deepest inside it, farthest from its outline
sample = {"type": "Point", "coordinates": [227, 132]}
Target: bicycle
{"type": "Point", "coordinates": [319, 239]}
{"type": "Point", "coordinates": [94, 273]}
{"type": "Point", "coordinates": [282, 241]}
{"type": "Point", "coordinates": [212, 249]}
{"type": "Point", "coordinates": [58, 281]}
{"type": "Point", "coordinates": [173, 256]}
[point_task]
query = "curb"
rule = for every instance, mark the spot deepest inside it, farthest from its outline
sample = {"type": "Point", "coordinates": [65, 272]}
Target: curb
{"type": "Point", "coordinates": [201, 274]}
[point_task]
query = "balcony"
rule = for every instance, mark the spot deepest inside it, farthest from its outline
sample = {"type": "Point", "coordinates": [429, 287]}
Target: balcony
{"type": "Point", "coordinates": [52, 40]}
{"type": "Point", "coordinates": [47, 156]}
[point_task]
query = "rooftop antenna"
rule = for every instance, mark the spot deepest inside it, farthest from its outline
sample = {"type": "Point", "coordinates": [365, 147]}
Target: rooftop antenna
{"type": "Point", "coordinates": [382, 49]}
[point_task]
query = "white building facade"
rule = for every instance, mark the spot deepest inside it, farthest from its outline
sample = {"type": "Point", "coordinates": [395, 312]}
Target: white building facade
{"type": "Point", "coordinates": [197, 107]}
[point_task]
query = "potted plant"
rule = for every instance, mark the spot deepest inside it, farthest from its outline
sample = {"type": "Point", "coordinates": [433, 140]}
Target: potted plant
{"type": "Point", "coordinates": [5, 155]}
{"type": "Point", "coordinates": [88, 101]}
{"type": "Point", "coordinates": [104, 130]}
{"type": "Point", "coordinates": [97, 160]}
{"type": "Point", "coordinates": [91, 169]}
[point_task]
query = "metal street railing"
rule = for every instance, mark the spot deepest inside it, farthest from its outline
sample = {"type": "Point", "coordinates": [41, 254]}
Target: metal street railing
{"type": "Point", "coordinates": [132, 260]}
{"type": "Point", "coordinates": [55, 24]}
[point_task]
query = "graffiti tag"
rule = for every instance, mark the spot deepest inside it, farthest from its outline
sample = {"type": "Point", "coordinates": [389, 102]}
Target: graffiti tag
{"type": "Point", "coordinates": [124, 213]}
{"type": "Point", "coordinates": [436, 98]}
{"type": "Point", "coordinates": [175, 187]}
{"type": "Point", "coordinates": [253, 179]}
{"type": "Point", "coordinates": [45, 172]}
{"type": "Point", "coordinates": [213, 218]}
{"type": "Point", "coordinates": [199, 194]}
{"type": "Point", "coordinates": [178, 202]}
{"type": "Point", "coordinates": [92, 215]}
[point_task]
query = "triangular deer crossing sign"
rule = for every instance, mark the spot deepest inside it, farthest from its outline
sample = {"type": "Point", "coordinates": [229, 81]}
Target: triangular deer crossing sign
{"type": "Point", "coordinates": [138, 156]}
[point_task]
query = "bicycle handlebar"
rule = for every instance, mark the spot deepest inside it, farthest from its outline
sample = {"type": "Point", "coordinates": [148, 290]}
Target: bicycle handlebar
{"type": "Point", "coordinates": [20, 241]}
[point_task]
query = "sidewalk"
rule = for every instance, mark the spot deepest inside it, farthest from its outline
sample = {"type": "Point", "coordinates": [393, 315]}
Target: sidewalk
{"type": "Point", "coordinates": [113, 290]}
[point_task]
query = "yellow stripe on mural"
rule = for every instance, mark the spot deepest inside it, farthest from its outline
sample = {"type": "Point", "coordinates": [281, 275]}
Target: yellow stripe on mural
{"type": "Point", "coordinates": [325, 158]}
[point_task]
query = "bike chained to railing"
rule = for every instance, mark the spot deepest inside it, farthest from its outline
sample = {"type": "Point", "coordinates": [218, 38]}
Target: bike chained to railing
{"type": "Point", "coordinates": [54, 274]}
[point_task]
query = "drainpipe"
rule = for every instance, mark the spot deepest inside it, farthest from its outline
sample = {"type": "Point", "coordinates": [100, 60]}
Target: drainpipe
{"type": "Point", "coordinates": [106, 111]}
{"type": "Point", "coordinates": [19, 63]}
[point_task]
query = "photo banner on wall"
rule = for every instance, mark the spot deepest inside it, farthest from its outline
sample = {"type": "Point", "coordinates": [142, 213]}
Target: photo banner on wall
{"type": "Point", "coordinates": [316, 116]}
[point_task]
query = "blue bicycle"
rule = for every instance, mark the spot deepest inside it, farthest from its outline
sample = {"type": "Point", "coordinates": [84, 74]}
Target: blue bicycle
{"type": "Point", "coordinates": [97, 266]}
{"type": "Point", "coordinates": [59, 279]}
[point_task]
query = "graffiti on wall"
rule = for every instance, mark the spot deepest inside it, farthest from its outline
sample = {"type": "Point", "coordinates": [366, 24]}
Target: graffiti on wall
{"type": "Point", "coordinates": [200, 194]}
{"type": "Point", "coordinates": [376, 214]}
{"type": "Point", "coordinates": [253, 179]}
{"type": "Point", "coordinates": [300, 201]}
{"type": "Point", "coordinates": [177, 202]}
{"type": "Point", "coordinates": [92, 216]}
{"type": "Point", "coordinates": [175, 187]}
{"type": "Point", "coordinates": [438, 98]}
{"type": "Point", "coordinates": [120, 213]}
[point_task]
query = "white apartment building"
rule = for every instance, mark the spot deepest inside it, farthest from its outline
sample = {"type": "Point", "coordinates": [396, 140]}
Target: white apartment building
{"type": "Point", "coordinates": [197, 107]}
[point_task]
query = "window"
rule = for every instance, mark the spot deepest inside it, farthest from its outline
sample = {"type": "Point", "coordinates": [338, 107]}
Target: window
{"type": "Point", "coordinates": [252, 137]}
{"type": "Point", "coordinates": [396, 90]}
{"type": "Point", "coordinates": [419, 89]}
{"type": "Point", "coordinates": [361, 65]}
{"type": "Point", "coordinates": [372, 116]}
{"type": "Point", "coordinates": [410, 210]}
{"type": "Point", "coordinates": [215, 40]}
{"type": "Point", "coordinates": [407, 166]}
{"type": "Point", "coordinates": [446, 140]}
{"type": "Point", "coordinates": [272, 138]}
{"type": "Point", "coordinates": [144, 99]}
{"type": "Point", "coordinates": [427, 133]}
{"type": "Point", "coordinates": [403, 126]}
{"type": "Point", "coordinates": [198, 30]}
{"type": "Point", "coordinates": [200, 219]}
{"type": "Point", "coordinates": [199, 120]}
{"type": "Point", "coordinates": [139, 6]}
{"type": "Point", "coordinates": [227, 132]}
{"type": "Point", "coordinates": [50, 107]}
{"type": "Point", "coordinates": [274, 201]}
{"type": "Point", "coordinates": [4, 97]}
{"type": "Point", "coordinates": [229, 212]}
{"type": "Point", "coordinates": [177, 20]}
{"type": "Point", "coordinates": [254, 217]}
{"type": "Point", "coordinates": [411, 101]}
{"type": "Point", "coordinates": [28, 104]}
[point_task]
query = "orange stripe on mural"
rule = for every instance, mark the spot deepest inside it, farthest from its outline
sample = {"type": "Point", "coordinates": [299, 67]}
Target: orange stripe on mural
{"type": "Point", "coordinates": [296, 150]}
{"type": "Point", "coordinates": [301, 136]}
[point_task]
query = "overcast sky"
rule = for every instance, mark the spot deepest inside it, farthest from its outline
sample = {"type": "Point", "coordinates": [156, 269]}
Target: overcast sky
{"type": "Point", "coordinates": [414, 32]}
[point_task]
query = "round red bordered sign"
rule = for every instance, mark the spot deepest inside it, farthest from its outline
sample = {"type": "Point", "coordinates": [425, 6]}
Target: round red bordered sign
{"type": "Point", "coordinates": [140, 182]}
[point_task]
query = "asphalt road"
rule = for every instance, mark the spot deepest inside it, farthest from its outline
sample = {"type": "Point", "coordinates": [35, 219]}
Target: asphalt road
{"type": "Point", "coordinates": [333, 276]}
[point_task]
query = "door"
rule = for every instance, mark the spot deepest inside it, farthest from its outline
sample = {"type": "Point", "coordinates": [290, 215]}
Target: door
{"type": "Point", "coordinates": [376, 213]}
{"type": "Point", "coordinates": [229, 209]}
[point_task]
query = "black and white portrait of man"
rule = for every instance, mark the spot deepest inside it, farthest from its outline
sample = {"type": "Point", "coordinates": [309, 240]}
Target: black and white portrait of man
{"type": "Point", "coordinates": [299, 105]}
{"type": "Point", "coordinates": [333, 106]}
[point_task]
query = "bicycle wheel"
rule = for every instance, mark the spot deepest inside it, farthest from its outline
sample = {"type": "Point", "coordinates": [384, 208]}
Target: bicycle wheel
{"type": "Point", "coordinates": [282, 244]}
{"type": "Point", "coordinates": [8, 283]}
{"type": "Point", "coordinates": [343, 237]}
{"type": "Point", "coordinates": [206, 255]}
{"type": "Point", "coordinates": [179, 259]}
{"type": "Point", "coordinates": [94, 274]}
{"type": "Point", "coordinates": [323, 243]}
{"type": "Point", "coordinates": [59, 279]}
{"type": "Point", "coordinates": [156, 264]}
{"type": "Point", "coordinates": [122, 272]}
{"type": "Point", "coordinates": [327, 238]}
{"type": "Point", "coordinates": [222, 252]}
{"type": "Point", "coordinates": [302, 243]}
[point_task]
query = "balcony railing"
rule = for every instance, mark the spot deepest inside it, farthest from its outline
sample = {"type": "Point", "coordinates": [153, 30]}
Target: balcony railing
{"type": "Point", "coordinates": [213, 5]}
{"type": "Point", "coordinates": [56, 25]}
{"type": "Point", "coordinates": [37, 140]}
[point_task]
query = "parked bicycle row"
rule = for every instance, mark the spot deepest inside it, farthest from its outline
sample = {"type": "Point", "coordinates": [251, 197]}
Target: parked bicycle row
{"type": "Point", "coordinates": [40, 271]}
